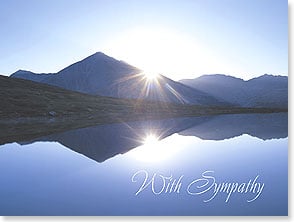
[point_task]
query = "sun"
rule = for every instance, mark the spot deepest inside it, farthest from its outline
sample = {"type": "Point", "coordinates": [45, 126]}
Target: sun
{"type": "Point", "coordinates": [151, 76]}
{"type": "Point", "coordinates": [161, 50]}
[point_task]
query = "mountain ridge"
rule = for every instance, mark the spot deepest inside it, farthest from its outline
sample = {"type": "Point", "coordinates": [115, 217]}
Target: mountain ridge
{"type": "Point", "coordinates": [263, 91]}
{"type": "Point", "coordinates": [99, 74]}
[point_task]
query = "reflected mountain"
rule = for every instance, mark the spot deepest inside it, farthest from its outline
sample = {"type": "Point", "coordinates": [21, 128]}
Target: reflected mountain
{"type": "Point", "coordinates": [105, 141]}
{"type": "Point", "coordinates": [262, 126]}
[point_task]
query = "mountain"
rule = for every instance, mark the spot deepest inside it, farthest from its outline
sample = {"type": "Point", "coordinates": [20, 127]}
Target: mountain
{"type": "Point", "coordinates": [264, 91]}
{"type": "Point", "coordinates": [23, 74]}
{"type": "Point", "coordinates": [97, 72]}
{"type": "Point", "coordinates": [102, 75]}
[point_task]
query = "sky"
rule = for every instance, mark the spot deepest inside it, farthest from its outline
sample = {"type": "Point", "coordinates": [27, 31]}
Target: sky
{"type": "Point", "coordinates": [179, 39]}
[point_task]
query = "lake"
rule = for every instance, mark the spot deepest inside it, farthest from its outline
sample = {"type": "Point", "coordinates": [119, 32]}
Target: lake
{"type": "Point", "coordinates": [214, 165]}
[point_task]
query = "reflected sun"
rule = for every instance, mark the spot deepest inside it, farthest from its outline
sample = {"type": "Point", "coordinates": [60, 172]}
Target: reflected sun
{"type": "Point", "coordinates": [150, 151]}
{"type": "Point", "coordinates": [155, 150]}
{"type": "Point", "coordinates": [150, 139]}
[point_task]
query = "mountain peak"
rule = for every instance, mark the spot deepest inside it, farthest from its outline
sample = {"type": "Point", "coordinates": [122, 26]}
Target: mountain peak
{"type": "Point", "coordinates": [100, 55]}
{"type": "Point", "coordinates": [96, 63]}
{"type": "Point", "coordinates": [269, 77]}
{"type": "Point", "coordinates": [21, 73]}
{"type": "Point", "coordinates": [220, 76]}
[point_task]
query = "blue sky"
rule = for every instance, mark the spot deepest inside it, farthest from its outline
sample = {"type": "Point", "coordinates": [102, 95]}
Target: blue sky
{"type": "Point", "coordinates": [181, 39]}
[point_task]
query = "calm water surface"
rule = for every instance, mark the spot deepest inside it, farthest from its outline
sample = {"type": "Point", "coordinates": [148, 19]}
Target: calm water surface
{"type": "Point", "coordinates": [221, 165]}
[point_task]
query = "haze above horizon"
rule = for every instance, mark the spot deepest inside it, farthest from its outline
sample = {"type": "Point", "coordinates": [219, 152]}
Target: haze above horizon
{"type": "Point", "coordinates": [179, 39]}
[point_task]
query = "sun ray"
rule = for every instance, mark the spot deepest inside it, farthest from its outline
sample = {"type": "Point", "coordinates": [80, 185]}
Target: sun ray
{"type": "Point", "coordinates": [175, 93]}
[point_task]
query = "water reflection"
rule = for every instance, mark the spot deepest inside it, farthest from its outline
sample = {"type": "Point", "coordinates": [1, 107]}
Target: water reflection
{"type": "Point", "coordinates": [105, 141]}
{"type": "Point", "coordinates": [262, 126]}
{"type": "Point", "coordinates": [45, 178]}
